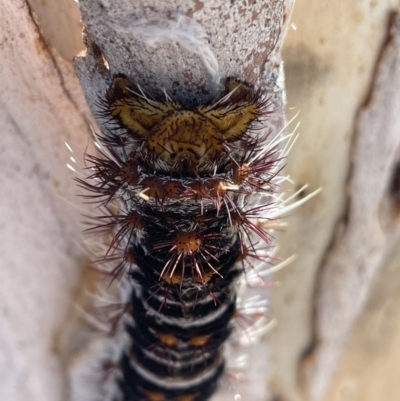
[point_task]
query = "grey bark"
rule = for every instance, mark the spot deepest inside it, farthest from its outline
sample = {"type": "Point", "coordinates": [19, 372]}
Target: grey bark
{"type": "Point", "coordinates": [370, 228]}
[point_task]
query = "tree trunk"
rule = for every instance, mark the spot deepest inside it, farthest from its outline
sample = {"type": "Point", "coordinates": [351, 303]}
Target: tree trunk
{"type": "Point", "coordinates": [342, 70]}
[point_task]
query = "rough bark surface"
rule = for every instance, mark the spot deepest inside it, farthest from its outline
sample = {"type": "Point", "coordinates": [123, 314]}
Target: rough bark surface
{"type": "Point", "coordinates": [370, 229]}
{"type": "Point", "coordinates": [41, 106]}
{"type": "Point", "coordinates": [244, 41]}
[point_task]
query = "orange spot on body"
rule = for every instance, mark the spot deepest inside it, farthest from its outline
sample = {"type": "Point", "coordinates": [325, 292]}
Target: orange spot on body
{"type": "Point", "coordinates": [199, 341]}
{"type": "Point", "coordinates": [155, 396]}
{"type": "Point", "coordinates": [205, 277]}
{"type": "Point", "coordinates": [240, 173]}
{"type": "Point", "coordinates": [187, 242]}
{"type": "Point", "coordinates": [167, 339]}
{"type": "Point", "coordinates": [187, 397]}
{"type": "Point", "coordinates": [161, 189]}
{"type": "Point", "coordinates": [175, 279]}
{"type": "Point", "coordinates": [210, 188]}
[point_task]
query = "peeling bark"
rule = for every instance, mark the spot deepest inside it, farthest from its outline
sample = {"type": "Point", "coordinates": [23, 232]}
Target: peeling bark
{"type": "Point", "coordinates": [372, 225]}
{"type": "Point", "coordinates": [41, 107]}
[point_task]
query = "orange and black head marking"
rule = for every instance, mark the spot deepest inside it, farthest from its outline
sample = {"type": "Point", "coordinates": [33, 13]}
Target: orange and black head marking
{"type": "Point", "coordinates": [172, 136]}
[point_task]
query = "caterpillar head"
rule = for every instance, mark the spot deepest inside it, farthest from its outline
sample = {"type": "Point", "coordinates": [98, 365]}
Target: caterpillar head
{"type": "Point", "coordinates": [173, 138]}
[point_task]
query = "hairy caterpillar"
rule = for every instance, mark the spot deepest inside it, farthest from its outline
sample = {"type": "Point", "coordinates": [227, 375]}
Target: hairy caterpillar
{"type": "Point", "coordinates": [188, 181]}
{"type": "Point", "coordinates": [186, 191]}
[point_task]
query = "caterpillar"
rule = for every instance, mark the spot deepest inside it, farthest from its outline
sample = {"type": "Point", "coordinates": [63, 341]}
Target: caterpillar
{"type": "Point", "coordinates": [188, 194]}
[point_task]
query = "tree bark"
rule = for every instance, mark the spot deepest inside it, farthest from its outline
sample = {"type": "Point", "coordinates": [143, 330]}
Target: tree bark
{"type": "Point", "coordinates": [342, 70]}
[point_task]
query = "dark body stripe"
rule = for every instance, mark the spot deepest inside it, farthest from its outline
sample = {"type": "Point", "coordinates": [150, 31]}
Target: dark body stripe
{"type": "Point", "coordinates": [136, 388]}
{"type": "Point", "coordinates": [183, 313]}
